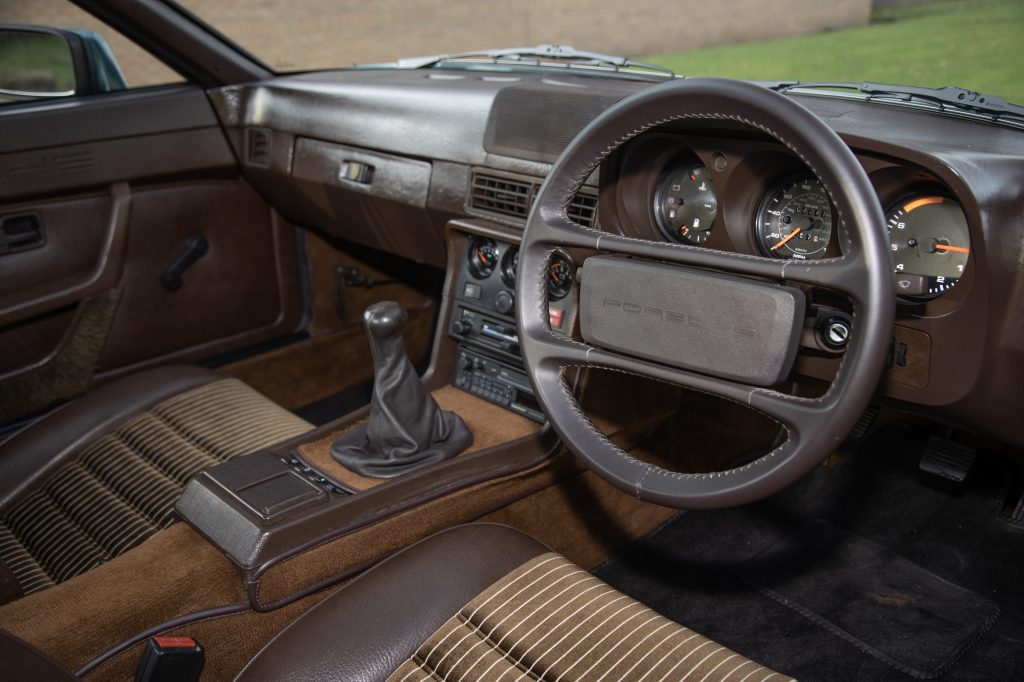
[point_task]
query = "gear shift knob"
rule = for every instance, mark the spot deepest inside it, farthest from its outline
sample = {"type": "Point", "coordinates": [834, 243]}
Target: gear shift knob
{"type": "Point", "coordinates": [385, 319]}
{"type": "Point", "coordinates": [406, 429]}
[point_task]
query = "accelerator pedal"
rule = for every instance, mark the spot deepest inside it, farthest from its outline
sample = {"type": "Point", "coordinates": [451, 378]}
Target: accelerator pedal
{"type": "Point", "coordinates": [946, 459]}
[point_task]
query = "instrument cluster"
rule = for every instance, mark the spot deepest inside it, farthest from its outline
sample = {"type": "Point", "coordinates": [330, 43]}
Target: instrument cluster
{"type": "Point", "coordinates": [778, 209]}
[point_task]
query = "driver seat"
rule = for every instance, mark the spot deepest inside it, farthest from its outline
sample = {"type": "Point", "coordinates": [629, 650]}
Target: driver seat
{"type": "Point", "coordinates": [486, 602]}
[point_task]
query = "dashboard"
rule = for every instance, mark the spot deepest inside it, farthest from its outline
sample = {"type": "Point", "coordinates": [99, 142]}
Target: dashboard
{"type": "Point", "coordinates": [951, 191]}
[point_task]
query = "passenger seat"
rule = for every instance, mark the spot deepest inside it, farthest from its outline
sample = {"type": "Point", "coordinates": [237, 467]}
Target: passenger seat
{"type": "Point", "coordinates": [101, 474]}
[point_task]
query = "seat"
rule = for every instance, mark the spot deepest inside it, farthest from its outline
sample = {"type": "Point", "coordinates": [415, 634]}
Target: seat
{"type": "Point", "coordinates": [101, 474]}
{"type": "Point", "coordinates": [485, 602]}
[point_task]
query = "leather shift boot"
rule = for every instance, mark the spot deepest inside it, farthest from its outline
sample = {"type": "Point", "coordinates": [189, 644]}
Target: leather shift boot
{"type": "Point", "coordinates": [406, 429]}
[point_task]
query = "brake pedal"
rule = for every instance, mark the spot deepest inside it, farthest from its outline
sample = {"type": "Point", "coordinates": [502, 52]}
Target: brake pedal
{"type": "Point", "coordinates": [946, 459]}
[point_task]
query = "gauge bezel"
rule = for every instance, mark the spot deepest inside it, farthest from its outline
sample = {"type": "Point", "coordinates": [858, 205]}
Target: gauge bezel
{"type": "Point", "coordinates": [790, 180]}
{"type": "Point", "coordinates": [667, 231]}
{"type": "Point", "coordinates": [477, 269]}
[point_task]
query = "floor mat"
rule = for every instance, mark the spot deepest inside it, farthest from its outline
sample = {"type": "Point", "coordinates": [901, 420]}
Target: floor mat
{"type": "Point", "coordinates": [863, 593]}
{"type": "Point", "coordinates": [692, 570]}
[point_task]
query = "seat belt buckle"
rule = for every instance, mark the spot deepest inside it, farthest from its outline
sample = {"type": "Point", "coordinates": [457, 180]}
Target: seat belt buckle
{"type": "Point", "coordinates": [170, 659]}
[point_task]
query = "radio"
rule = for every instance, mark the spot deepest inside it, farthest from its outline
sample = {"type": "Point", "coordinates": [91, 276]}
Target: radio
{"type": "Point", "coordinates": [488, 331]}
{"type": "Point", "coordinates": [496, 382]}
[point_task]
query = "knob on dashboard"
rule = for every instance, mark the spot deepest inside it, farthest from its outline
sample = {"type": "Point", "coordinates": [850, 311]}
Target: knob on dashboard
{"type": "Point", "coordinates": [462, 327]}
{"type": "Point", "coordinates": [504, 302]}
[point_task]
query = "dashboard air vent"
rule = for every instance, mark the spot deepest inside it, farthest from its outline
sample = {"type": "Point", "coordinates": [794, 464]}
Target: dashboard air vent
{"type": "Point", "coordinates": [513, 196]}
{"type": "Point", "coordinates": [583, 209]}
{"type": "Point", "coordinates": [496, 194]}
{"type": "Point", "coordinates": [257, 147]}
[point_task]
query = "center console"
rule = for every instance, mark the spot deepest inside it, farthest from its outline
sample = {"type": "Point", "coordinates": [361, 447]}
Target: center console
{"type": "Point", "coordinates": [488, 362]}
{"type": "Point", "coordinates": [291, 504]}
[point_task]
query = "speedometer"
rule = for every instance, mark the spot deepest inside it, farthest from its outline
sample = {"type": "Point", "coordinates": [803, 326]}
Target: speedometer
{"type": "Point", "coordinates": [795, 219]}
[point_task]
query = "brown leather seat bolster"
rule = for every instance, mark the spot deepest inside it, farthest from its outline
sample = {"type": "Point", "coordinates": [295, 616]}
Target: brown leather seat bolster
{"type": "Point", "coordinates": [31, 454]}
{"type": "Point", "coordinates": [370, 626]}
{"type": "Point", "coordinates": [22, 661]}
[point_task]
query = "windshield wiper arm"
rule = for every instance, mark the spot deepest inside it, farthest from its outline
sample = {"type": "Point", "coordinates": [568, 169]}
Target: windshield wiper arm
{"type": "Point", "coordinates": [533, 54]}
{"type": "Point", "coordinates": [952, 96]}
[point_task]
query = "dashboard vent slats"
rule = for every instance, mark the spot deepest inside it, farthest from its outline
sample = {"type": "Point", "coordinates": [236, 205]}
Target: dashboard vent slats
{"type": "Point", "coordinates": [501, 195]}
{"type": "Point", "coordinates": [513, 197]}
{"type": "Point", "coordinates": [257, 147]}
{"type": "Point", "coordinates": [583, 209]}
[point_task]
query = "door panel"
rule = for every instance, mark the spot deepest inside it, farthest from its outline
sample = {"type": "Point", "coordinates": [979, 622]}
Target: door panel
{"type": "Point", "coordinates": [119, 183]}
{"type": "Point", "coordinates": [83, 254]}
{"type": "Point", "coordinates": [241, 288]}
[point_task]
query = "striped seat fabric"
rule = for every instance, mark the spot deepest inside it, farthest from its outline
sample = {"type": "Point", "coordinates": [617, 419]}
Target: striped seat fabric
{"type": "Point", "coordinates": [121, 489]}
{"type": "Point", "coordinates": [551, 620]}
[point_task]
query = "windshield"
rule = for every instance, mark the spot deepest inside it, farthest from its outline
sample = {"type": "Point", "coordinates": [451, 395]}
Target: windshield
{"type": "Point", "coordinates": [975, 44]}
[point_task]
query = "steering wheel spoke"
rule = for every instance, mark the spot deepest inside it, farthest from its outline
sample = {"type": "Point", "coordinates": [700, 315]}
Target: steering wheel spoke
{"type": "Point", "coordinates": [788, 410]}
{"type": "Point", "coordinates": [681, 254]}
{"type": "Point", "coordinates": [839, 274]}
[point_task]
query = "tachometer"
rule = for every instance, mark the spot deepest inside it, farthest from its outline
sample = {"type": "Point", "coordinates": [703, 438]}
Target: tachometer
{"type": "Point", "coordinates": [795, 219]}
{"type": "Point", "coordinates": [685, 204]}
{"type": "Point", "coordinates": [930, 244]}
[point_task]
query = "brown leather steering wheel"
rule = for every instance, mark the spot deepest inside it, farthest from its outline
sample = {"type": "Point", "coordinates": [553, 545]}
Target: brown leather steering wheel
{"type": "Point", "coordinates": [863, 273]}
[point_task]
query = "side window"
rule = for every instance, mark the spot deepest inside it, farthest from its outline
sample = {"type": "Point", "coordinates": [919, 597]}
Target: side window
{"type": "Point", "coordinates": [52, 48]}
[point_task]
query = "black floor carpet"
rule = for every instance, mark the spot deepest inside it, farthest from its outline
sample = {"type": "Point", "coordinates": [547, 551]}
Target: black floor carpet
{"type": "Point", "coordinates": [861, 571]}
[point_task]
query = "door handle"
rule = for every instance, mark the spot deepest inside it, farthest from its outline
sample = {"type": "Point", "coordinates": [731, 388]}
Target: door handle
{"type": "Point", "coordinates": [195, 248]}
{"type": "Point", "coordinates": [21, 232]}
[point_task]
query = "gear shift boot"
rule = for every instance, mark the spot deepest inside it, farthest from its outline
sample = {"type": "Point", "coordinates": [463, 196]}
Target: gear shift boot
{"type": "Point", "coordinates": [406, 429]}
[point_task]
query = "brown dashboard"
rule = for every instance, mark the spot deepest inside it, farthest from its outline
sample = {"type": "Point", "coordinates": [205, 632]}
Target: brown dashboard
{"type": "Point", "coordinates": [957, 346]}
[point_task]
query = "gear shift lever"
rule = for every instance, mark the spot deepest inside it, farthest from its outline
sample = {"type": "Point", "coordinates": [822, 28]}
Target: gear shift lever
{"type": "Point", "coordinates": [406, 429]}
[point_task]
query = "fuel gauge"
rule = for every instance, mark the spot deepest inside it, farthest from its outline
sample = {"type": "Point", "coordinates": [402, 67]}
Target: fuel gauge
{"type": "Point", "coordinates": [685, 205]}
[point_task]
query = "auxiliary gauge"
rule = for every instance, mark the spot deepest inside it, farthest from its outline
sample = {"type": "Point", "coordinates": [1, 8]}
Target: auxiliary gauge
{"type": "Point", "coordinates": [685, 204]}
{"type": "Point", "coordinates": [483, 257]}
{"type": "Point", "coordinates": [559, 277]}
{"type": "Point", "coordinates": [795, 220]}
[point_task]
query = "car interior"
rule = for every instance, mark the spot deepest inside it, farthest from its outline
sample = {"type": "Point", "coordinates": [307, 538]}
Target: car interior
{"type": "Point", "coordinates": [509, 365]}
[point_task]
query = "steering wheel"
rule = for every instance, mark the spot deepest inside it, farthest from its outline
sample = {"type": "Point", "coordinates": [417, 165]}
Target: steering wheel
{"type": "Point", "coordinates": [722, 323]}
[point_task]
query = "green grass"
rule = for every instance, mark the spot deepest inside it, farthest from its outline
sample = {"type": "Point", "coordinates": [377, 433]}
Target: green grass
{"type": "Point", "coordinates": [976, 44]}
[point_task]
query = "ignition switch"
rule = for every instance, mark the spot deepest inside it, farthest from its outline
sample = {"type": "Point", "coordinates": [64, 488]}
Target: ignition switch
{"type": "Point", "coordinates": [834, 332]}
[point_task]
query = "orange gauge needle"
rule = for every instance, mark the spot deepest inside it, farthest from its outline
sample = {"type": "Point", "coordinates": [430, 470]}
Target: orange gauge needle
{"type": "Point", "coordinates": [945, 247]}
{"type": "Point", "coordinates": [787, 238]}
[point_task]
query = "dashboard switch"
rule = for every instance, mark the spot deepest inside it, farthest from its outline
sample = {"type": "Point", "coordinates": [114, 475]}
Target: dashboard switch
{"type": "Point", "coordinates": [504, 302]}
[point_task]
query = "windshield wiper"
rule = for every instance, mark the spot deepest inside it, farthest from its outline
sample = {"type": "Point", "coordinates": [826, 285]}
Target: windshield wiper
{"type": "Point", "coordinates": [949, 96]}
{"type": "Point", "coordinates": [536, 55]}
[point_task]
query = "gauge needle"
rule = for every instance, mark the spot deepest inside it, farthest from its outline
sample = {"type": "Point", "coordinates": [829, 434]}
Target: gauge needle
{"type": "Point", "coordinates": [945, 247]}
{"type": "Point", "coordinates": [787, 238]}
{"type": "Point", "coordinates": [482, 257]}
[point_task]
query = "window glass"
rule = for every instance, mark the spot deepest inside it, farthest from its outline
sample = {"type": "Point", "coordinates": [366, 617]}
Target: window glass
{"type": "Point", "coordinates": [43, 64]}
